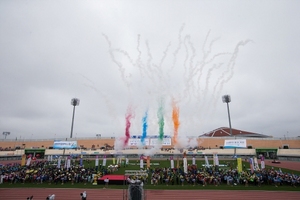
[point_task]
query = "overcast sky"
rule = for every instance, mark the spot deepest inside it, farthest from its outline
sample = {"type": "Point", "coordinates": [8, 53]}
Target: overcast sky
{"type": "Point", "coordinates": [130, 57]}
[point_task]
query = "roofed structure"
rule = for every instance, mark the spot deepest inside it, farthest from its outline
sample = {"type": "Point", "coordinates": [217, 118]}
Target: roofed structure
{"type": "Point", "coordinates": [225, 132]}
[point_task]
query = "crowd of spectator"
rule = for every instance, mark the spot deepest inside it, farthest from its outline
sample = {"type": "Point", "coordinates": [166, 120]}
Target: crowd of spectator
{"type": "Point", "coordinates": [39, 172]}
{"type": "Point", "coordinates": [47, 172]}
{"type": "Point", "coordinates": [216, 176]}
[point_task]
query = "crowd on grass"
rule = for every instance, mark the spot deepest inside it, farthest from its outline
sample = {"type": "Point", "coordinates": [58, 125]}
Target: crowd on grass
{"type": "Point", "coordinates": [46, 172]}
{"type": "Point", "coordinates": [216, 176]}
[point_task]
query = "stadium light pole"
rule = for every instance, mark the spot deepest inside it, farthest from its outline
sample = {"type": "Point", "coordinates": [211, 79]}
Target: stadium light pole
{"type": "Point", "coordinates": [226, 99]}
{"type": "Point", "coordinates": [74, 103]}
{"type": "Point", "coordinates": [6, 134]}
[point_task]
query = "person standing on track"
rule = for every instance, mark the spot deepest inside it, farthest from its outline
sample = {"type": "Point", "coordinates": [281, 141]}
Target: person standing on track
{"type": "Point", "coordinates": [83, 195]}
{"type": "Point", "coordinates": [106, 181]}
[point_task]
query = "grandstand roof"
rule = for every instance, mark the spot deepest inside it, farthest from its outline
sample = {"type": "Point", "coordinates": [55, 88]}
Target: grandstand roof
{"type": "Point", "coordinates": [225, 132]}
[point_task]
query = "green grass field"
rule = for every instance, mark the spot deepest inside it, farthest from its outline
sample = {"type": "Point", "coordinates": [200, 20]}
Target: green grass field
{"type": "Point", "coordinates": [135, 165]}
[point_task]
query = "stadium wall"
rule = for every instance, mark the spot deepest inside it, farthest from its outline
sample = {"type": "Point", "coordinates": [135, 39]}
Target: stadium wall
{"type": "Point", "coordinates": [206, 143]}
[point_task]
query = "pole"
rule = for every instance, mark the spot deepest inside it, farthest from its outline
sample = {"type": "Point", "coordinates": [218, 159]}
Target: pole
{"type": "Point", "coordinates": [229, 119]}
{"type": "Point", "coordinates": [230, 129]}
{"type": "Point", "coordinates": [72, 122]}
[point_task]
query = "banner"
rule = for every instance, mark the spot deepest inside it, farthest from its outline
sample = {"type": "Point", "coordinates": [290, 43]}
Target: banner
{"type": "Point", "coordinates": [262, 162]}
{"type": "Point", "coordinates": [97, 161]}
{"type": "Point", "coordinates": [206, 161]}
{"type": "Point", "coordinates": [81, 160]}
{"type": "Point", "coordinates": [148, 161]}
{"type": "Point", "coordinates": [239, 165]}
{"type": "Point", "coordinates": [65, 145]}
{"type": "Point", "coordinates": [23, 160]}
{"type": "Point", "coordinates": [240, 143]}
{"type": "Point", "coordinates": [58, 162]}
{"type": "Point", "coordinates": [137, 142]}
{"type": "Point", "coordinates": [118, 160]}
{"type": "Point", "coordinates": [28, 161]}
{"type": "Point", "coordinates": [142, 162]}
{"type": "Point", "coordinates": [251, 164]}
{"type": "Point", "coordinates": [104, 161]}
{"type": "Point", "coordinates": [152, 140]}
{"type": "Point", "coordinates": [184, 165]}
{"type": "Point", "coordinates": [172, 162]}
{"type": "Point", "coordinates": [69, 162]}
{"type": "Point", "coordinates": [217, 160]}
{"type": "Point", "coordinates": [65, 166]}
{"type": "Point", "coordinates": [194, 160]}
{"type": "Point", "coordinates": [256, 166]}
{"type": "Point", "coordinates": [156, 141]}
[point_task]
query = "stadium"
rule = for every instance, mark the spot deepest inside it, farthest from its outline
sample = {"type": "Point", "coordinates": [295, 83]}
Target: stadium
{"type": "Point", "coordinates": [127, 167]}
{"type": "Point", "coordinates": [213, 142]}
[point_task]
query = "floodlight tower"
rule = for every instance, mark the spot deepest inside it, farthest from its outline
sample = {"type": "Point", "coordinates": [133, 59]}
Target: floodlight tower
{"type": "Point", "coordinates": [6, 134]}
{"type": "Point", "coordinates": [226, 99]}
{"type": "Point", "coordinates": [74, 103]}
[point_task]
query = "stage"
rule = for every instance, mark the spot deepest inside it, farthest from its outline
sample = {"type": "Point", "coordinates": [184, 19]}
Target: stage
{"type": "Point", "coordinates": [113, 179]}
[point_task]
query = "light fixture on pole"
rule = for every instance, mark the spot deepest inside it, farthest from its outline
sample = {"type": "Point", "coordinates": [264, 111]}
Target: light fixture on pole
{"type": "Point", "coordinates": [74, 103]}
{"type": "Point", "coordinates": [226, 99]}
{"type": "Point", "coordinates": [6, 134]}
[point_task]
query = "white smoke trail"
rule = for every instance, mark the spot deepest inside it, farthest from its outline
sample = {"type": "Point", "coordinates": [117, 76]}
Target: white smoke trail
{"type": "Point", "coordinates": [119, 64]}
{"type": "Point", "coordinates": [231, 66]}
{"type": "Point", "coordinates": [178, 47]}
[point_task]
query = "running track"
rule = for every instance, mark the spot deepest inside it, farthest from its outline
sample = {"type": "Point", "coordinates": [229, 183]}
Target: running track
{"type": "Point", "coordinates": [113, 194]}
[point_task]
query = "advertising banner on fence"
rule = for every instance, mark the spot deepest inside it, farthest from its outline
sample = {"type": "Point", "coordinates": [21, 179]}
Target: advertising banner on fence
{"type": "Point", "coordinates": [156, 141]}
{"type": "Point", "coordinates": [138, 142]}
{"type": "Point", "coordinates": [150, 140]}
{"type": "Point", "coordinates": [240, 143]}
{"type": "Point", "coordinates": [65, 145]}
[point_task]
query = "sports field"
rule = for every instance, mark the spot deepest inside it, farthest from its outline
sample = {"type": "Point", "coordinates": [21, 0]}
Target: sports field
{"type": "Point", "coordinates": [160, 191]}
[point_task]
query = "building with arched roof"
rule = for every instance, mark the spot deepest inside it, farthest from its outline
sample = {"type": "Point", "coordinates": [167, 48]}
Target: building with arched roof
{"type": "Point", "coordinates": [225, 132]}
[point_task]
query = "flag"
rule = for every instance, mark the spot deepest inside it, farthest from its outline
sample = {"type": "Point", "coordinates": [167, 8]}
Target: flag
{"type": "Point", "coordinates": [256, 166]}
{"type": "Point", "coordinates": [28, 161]}
{"type": "Point", "coordinates": [184, 165]}
{"type": "Point", "coordinates": [23, 160]}
{"type": "Point", "coordinates": [239, 165]}
{"type": "Point", "coordinates": [251, 164]}
{"type": "Point", "coordinates": [65, 166]}
{"type": "Point", "coordinates": [206, 161]}
{"type": "Point", "coordinates": [194, 160]}
{"type": "Point", "coordinates": [81, 160]}
{"type": "Point", "coordinates": [104, 160]}
{"type": "Point", "coordinates": [58, 162]}
{"type": "Point", "coordinates": [216, 160]}
{"type": "Point", "coordinates": [172, 162]}
{"type": "Point", "coordinates": [141, 162]}
{"type": "Point", "coordinates": [148, 161]}
{"type": "Point", "coordinates": [262, 162]}
{"type": "Point", "coordinates": [97, 161]}
{"type": "Point", "coordinates": [68, 162]}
